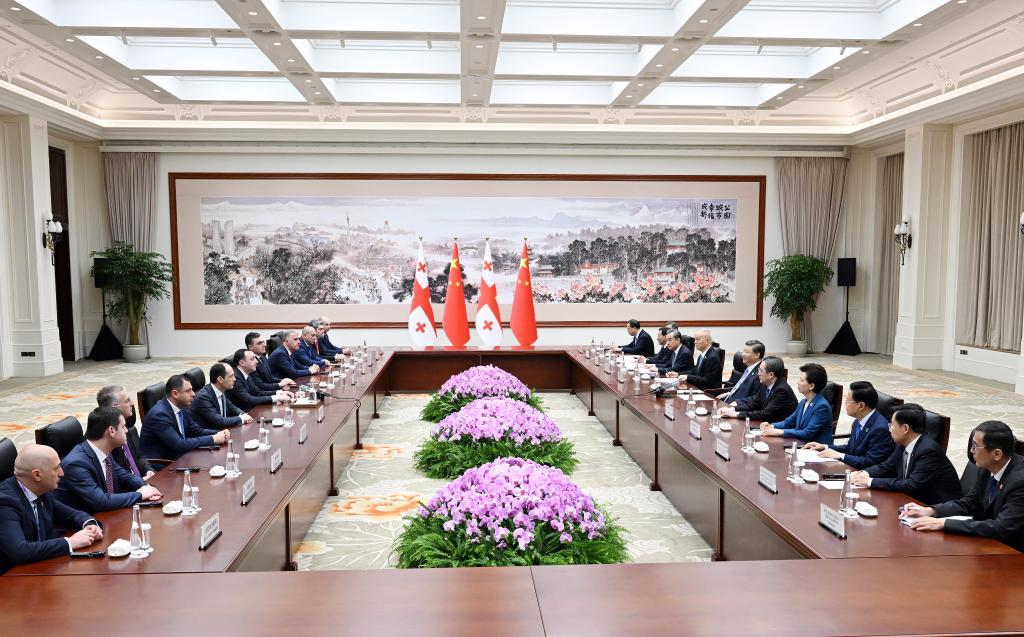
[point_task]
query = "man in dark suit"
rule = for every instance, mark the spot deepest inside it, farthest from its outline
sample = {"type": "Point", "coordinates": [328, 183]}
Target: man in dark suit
{"type": "Point", "coordinates": [265, 378]}
{"type": "Point", "coordinates": [168, 430]}
{"type": "Point", "coordinates": [664, 353]}
{"type": "Point", "coordinates": [680, 360]}
{"type": "Point", "coordinates": [917, 466]}
{"type": "Point", "coordinates": [128, 456]}
{"type": "Point", "coordinates": [746, 386]}
{"type": "Point", "coordinates": [995, 503]}
{"type": "Point", "coordinates": [707, 368]}
{"type": "Point", "coordinates": [92, 480]}
{"type": "Point", "coordinates": [642, 344]}
{"type": "Point", "coordinates": [323, 337]}
{"type": "Point", "coordinates": [283, 363]}
{"type": "Point", "coordinates": [774, 400]}
{"type": "Point", "coordinates": [812, 418]}
{"type": "Point", "coordinates": [245, 394]}
{"type": "Point", "coordinates": [306, 355]}
{"type": "Point", "coordinates": [29, 512]}
{"type": "Point", "coordinates": [870, 442]}
{"type": "Point", "coordinates": [211, 408]}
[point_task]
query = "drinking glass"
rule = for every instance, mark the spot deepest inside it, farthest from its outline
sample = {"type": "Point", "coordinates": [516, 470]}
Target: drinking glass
{"type": "Point", "coordinates": [850, 504]}
{"type": "Point", "coordinates": [798, 469]}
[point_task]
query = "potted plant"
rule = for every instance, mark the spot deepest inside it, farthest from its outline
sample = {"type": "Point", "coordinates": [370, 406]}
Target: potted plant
{"type": "Point", "coordinates": [795, 281]}
{"type": "Point", "coordinates": [133, 278]}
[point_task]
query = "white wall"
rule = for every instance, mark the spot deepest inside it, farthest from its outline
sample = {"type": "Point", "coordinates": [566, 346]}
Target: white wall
{"type": "Point", "coordinates": [166, 341]}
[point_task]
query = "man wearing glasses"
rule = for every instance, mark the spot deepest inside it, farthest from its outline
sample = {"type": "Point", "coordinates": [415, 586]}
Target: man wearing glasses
{"type": "Point", "coordinates": [995, 503]}
{"type": "Point", "coordinates": [869, 442]}
{"type": "Point", "coordinates": [128, 455]}
{"type": "Point", "coordinates": [917, 466]}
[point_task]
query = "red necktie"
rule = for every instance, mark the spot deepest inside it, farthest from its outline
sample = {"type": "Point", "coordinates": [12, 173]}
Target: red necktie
{"type": "Point", "coordinates": [109, 481]}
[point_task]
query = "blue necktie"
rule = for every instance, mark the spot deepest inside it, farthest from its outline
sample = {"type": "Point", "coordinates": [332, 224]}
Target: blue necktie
{"type": "Point", "coordinates": [993, 489]}
{"type": "Point", "coordinates": [39, 525]}
{"type": "Point", "coordinates": [181, 423]}
{"type": "Point", "coordinates": [855, 434]}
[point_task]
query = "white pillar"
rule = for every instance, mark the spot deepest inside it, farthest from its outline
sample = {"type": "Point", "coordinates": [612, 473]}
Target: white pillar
{"type": "Point", "coordinates": [31, 342]}
{"type": "Point", "coordinates": [926, 183]}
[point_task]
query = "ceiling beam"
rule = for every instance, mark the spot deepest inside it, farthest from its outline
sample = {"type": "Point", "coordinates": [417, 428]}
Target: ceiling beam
{"type": "Point", "coordinates": [480, 24]}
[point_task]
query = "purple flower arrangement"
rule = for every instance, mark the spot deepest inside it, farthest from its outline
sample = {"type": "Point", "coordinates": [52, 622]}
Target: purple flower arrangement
{"type": "Point", "coordinates": [490, 428]}
{"type": "Point", "coordinates": [509, 512]}
{"type": "Point", "coordinates": [481, 381]}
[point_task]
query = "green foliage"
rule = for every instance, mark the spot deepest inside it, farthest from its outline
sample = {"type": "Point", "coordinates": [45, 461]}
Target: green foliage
{"type": "Point", "coordinates": [795, 281]}
{"type": "Point", "coordinates": [217, 271]}
{"type": "Point", "coordinates": [133, 278]}
{"type": "Point", "coordinates": [441, 405]}
{"type": "Point", "coordinates": [425, 544]}
{"type": "Point", "coordinates": [448, 460]}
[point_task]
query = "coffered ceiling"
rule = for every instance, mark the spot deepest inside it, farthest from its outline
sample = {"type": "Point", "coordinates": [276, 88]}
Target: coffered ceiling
{"type": "Point", "coordinates": [616, 62]}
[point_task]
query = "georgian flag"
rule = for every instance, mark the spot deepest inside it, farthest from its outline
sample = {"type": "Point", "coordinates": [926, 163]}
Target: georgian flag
{"type": "Point", "coordinates": [421, 313]}
{"type": "Point", "coordinates": [488, 316]}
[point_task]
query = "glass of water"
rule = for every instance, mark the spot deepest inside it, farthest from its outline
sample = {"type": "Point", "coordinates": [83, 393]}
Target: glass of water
{"type": "Point", "coordinates": [850, 504]}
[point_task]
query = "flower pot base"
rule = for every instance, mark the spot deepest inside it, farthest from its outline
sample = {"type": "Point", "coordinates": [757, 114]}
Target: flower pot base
{"type": "Point", "coordinates": [134, 353]}
{"type": "Point", "coordinates": [796, 348]}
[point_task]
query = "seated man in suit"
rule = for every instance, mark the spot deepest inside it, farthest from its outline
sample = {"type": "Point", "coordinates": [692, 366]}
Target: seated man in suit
{"type": "Point", "coordinates": [211, 408]}
{"type": "Point", "coordinates": [283, 363]}
{"type": "Point", "coordinates": [168, 431]}
{"type": "Point", "coordinates": [265, 378]}
{"type": "Point", "coordinates": [812, 419]}
{"type": "Point", "coordinates": [663, 352]}
{"type": "Point", "coordinates": [747, 386]}
{"type": "Point", "coordinates": [774, 400]}
{"type": "Point", "coordinates": [306, 354]}
{"type": "Point", "coordinates": [325, 342]}
{"type": "Point", "coordinates": [870, 442]}
{"type": "Point", "coordinates": [29, 512]}
{"type": "Point", "coordinates": [917, 466]}
{"type": "Point", "coordinates": [245, 394]}
{"type": "Point", "coordinates": [995, 503]}
{"type": "Point", "coordinates": [642, 344]}
{"type": "Point", "coordinates": [92, 481]}
{"type": "Point", "coordinates": [679, 361]}
{"type": "Point", "coordinates": [128, 456]}
{"type": "Point", "coordinates": [707, 370]}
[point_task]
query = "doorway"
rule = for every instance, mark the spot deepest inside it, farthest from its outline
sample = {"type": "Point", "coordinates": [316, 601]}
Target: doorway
{"type": "Point", "coordinates": [62, 254]}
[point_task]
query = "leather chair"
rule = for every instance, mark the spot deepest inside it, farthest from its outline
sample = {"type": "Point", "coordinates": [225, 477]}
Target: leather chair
{"type": "Point", "coordinates": [688, 342]}
{"type": "Point", "coordinates": [196, 377]}
{"type": "Point", "coordinates": [834, 395]}
{"type": "Point", "coordinates": [150, 396]}
{"type": "Point", "coordinates": [273, 343]}
{"type": "Point", "coordinates": [228, 360]}
{"type": "Point", "coordinates": [62, 435]}
{"type": "Point", "coordinates": [1018, 447]}
{"type": "Point", "coordinates": [737, 368]}
{"type": "Point", "coordinates": [937, 426]}
{"type": "Point", "coordinates": [887, 405]}
{"type": "Point", "coordinates": [971, 470]}
{"type": "Point", "coordinates": [8, 453]}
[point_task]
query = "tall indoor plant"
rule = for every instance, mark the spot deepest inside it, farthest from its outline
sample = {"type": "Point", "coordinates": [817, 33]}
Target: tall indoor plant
{"type": "Point", "coordinates": [133, 278]}
{"type": "Point", "coordinates": [795, 281]}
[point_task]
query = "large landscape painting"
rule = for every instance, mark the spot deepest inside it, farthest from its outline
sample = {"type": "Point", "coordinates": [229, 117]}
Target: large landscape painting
{"type": "Point", "coordinates": [269, 247]}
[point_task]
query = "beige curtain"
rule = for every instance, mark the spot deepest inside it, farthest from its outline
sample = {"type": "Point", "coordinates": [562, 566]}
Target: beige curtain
{"type": "Point", "coordinates": [131, 197]}
{"type": "Point", "coordinates": [889, 208]}
{"type": "Point", "coordinates": [811, 193]}
{"type": "Point", "coordinates": [991, 281]}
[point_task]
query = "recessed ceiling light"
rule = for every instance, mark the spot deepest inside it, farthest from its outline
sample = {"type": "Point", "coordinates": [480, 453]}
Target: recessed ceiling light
{"type": "Point", "coordinates": [277, 44]}
{"type": "Point", "coordinates": [136, 78]}
{"type": "Point", "coordinates": [640, 85]}
{"type": "Point", "coordinates": [15, 8]}
{"type": "Point", "coordinates": [703, 20]}
{"type": "Point", "coordinates": [253, 13]}
{"type": "Point", "coordinates": [316, 92]}
{"type": "Point", "coordinates": [481, 17]}
{"type": "Point", "coordinates": [865, 52]}
{"type": "Point", "coordinates": [475, 95]}
{"type": "Point", "coordinates": [156, 90]}
{"type": "Point", "coordinates": [836, 68]}
{"type": "Point", "coordinates": [479, 46]}
{"type": "Point", "coordinates": [675, 48]}
{"type": "Point", "coordinates": [801, 86]}
{"type": "Point", "coordinates": [961, 1]}
{"type": "Point", "coordinates": [99, 57]}
{"type": "Point", "coordinates": [309, 81]}
{"type": "Point", "coordinates": [659, 65]}
{"type": "Point", "coordinates": [629, 97]}
{"type": "Point", "coordinates": [919, 24]}
{"type": "Point", "coordinates": [69, 39]}
{"type": "Point", "coordinates": [779, 97]}
{"type": "Point", "coordinates": [291, 59]}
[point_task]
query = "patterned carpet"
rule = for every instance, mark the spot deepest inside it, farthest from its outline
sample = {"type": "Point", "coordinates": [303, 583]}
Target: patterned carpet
{"type": "Point", "coordinates": [356, 529]}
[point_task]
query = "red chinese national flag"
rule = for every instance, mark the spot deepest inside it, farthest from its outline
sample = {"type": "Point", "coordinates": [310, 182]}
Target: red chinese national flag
{"type": "Point", "coordinates": [455, 322]}
{"type": "Point", "coordinates": [524, 322]}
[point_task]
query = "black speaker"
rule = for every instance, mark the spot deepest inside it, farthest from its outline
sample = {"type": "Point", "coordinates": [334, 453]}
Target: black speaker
{"type": "Point", "coordinates": [100, 280]}
{"type": "Point", "coordinates": [846, 273]}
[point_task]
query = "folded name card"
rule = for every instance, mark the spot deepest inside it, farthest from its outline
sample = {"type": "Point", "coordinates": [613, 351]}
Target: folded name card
{"type": "Point", "coordinates": [766, 479]}
{"type": "Point", "coordinates": [833, 521]}
{"type": "Point", "coordinates": [695, 429]}
{"type": "Point", "coordinates": [722, 448]}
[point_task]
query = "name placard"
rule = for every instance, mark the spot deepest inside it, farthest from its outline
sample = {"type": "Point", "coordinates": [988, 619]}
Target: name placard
{"type": "Point", "coordinates": [275, 460]}
{"type": "Point", "coordinates": [209, 532]}
{"type": "Point", "coordinates": [695, 429]}
{"type": "Point", "coordinates": [670, 411]}
{"type": "Point", "coordinates": [320, 414]}
{"type": "Point", "coordinates": [248, 490]}
{"type": "Point", "coordinates": [302, 434]}
{"type": "Point", "coordinates": [766, 479]}
{"type": "Point", "coordinates": [722, 448]}
{"type": "Point", "coordinates": [833, 521]}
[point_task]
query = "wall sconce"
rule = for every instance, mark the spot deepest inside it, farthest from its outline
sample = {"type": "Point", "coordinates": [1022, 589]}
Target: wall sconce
{"type": "Point", "coordinates": [903, 238]}
{"type": "Point", "coordinates": [1022, 223]}
{"type": "Point", "coordinates": [51, 235]}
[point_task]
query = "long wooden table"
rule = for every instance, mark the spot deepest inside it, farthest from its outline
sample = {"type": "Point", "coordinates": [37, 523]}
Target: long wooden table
{"type": "Point", "coordinates": [930, 582]}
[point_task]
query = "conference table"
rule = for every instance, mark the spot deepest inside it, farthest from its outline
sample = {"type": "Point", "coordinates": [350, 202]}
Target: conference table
{"type": "Point", "coordinates": [761, 534]}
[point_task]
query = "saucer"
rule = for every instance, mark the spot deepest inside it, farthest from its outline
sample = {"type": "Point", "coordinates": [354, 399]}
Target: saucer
{"type": "Point", "coordinates": [809, 475]}
{"type": "Point", "coordinates": [217, 471]}
{"type": "Point", "coordinates": [701, 411]}
{"type": "Point", "coordinates": [277, 422]}
{"type": "Point", "coordinates": [120, 548]}
{"type": "Point", "coordinates": [252, 444]}
{"type": "Point", "coordinates": [866, 510]}
{"type": "Point", "coordinates": [761, 446]}
{"type": "Point", "coordinates": [725, 426]}
{"type": "Point", "coordinates": [172, 508]}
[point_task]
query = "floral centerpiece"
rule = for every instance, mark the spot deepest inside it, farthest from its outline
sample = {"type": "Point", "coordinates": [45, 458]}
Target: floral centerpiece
{"type": "Point", "coordinates": [481, 381]}
{"type": "Point", "coordinates": [491, 428]}
{"type": "Point", "coordinates": [510, 512]}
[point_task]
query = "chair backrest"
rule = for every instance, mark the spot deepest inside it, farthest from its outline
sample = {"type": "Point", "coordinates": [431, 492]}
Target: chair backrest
{"type": "Point", "coordinates": [688, 342]}
{"type": "Point", "coordinates": [834, 395]}
{"type": "Point", "coordinates": [785, 374]}
{"type": "Point", "coordinates": [1018, 447]}
{"type": "Point", "coordinates": [196, 377]}
{"type": "Point", "coordinates": [937, 426]}
{"type": "Point", "coordinates": [737, 368]}
{"type": "Point", "coordinates": [150, 396]}
{"type": "Point", "coordinates": [8, 453]}
{"type": "Point", "coordinates": [273, 343]}
{"type": "Point", "coordinates": [887, 404]}
{"type": "Point", "coordinates": [62, 435]}
{"type": "Point", "coordinates": [971, 470]}
{"type": "Point", "coordinates": [228, 360]}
